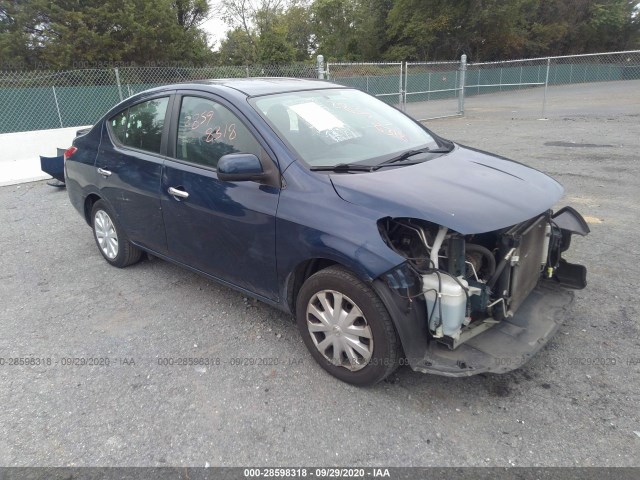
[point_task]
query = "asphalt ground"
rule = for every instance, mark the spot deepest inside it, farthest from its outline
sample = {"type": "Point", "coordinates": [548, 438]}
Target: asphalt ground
{"type": "Point", "coordinates": [266, 402]}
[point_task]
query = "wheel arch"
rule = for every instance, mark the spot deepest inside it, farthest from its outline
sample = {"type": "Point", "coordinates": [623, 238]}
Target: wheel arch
{"type": "Point", "coordinates": [299, 275]}
{"type": "Point", "coordinates": [89, 201]}
{"type": "Point", "coordinates": [299, 259]}
{"type": "Point", "coordinates": [364, 263]}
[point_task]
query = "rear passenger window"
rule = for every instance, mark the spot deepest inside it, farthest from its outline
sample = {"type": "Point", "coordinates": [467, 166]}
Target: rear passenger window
{"type": "Point", "coordinates": [141, 125]}
{"type": "Point", "coordinates": [207, 130]}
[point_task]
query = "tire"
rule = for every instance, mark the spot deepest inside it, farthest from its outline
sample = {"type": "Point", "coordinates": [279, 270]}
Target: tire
{"type": "Point", "coordinates": [111, 240]}
{"type": "Point", "coordinates": [343, 354]}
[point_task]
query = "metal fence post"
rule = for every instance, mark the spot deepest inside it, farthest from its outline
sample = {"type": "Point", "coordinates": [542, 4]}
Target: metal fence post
{"type": "Point", "coordinates": [463, 74]}
{"type": "Point", "coordinates": [118, 83]}
{"type": "Point", "coordinates": [520, 81]}
{"type": "Point", "coordinates": [55, 97]}
{"type": "Point", "coordinates": [546, 85]}
{"type": "Point", "coordinates": [320, 60]}
{"type": "Point", "coordinates": [401, 102]}
{"type": "Point", "coordinates": [570, 72]}
{"type": "Point", "coordinates": [406, 85]}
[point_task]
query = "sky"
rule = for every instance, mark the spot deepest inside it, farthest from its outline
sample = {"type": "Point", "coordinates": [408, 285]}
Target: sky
{"type": "Point", "coordinates": [216, 28]}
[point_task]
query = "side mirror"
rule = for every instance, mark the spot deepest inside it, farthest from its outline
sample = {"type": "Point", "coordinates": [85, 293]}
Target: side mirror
{"type": "Point", "coordinates": [239, 167]}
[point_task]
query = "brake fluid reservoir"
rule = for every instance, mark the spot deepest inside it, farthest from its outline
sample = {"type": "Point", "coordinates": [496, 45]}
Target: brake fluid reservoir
{"type": "Point", "coordinates": [453, 303]}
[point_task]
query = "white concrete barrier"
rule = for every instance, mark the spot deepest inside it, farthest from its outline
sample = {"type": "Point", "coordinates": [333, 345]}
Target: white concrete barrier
{"type": "Point", "coordinates": [20, 153]}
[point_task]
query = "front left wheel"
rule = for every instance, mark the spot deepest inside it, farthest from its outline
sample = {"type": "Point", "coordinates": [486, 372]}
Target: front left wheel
{"type": "Point", "coordinates": [111, 240]}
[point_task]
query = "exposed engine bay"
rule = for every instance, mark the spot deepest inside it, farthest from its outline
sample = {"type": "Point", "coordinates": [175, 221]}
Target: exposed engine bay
{"type": "Point", "coordinates": [470, 283]}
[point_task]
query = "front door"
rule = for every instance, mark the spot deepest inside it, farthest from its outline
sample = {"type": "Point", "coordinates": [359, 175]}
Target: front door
{"type": "Point", "coordinates": [225, 229]}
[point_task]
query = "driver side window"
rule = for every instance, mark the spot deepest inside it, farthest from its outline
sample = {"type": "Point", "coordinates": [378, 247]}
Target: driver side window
{"type": "Point", "coordinates": [208, 130]}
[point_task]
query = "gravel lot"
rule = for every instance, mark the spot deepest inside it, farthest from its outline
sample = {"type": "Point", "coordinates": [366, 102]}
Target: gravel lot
{"type": "Point", "coordinates": [575, 403]}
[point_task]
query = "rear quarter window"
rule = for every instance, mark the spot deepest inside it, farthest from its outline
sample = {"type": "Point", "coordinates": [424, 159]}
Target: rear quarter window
{"type": "Point", "coordinates": [118, 125]}
{"type": "Point", "coordinates": [140, 126]}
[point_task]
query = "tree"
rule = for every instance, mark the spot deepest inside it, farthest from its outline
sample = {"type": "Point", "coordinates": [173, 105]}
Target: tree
{"type": "Point", "coordinates": [274, 48]}
{"type": "Point", "coordinates": [611, 25]}
{"type": "Point", "coordinates": [421, 29]}
{"type": "Point", "coordinates": [299, 30]}
{"type": "Point", "coordinates": [334, 27]}
{"type": "Point", "coordinates": [236, 48]}
{"type": "Point", "coordinates": [68, 33]}
{"type": "Point", "coordinates": [190, 13]}
{"type": "Point", "coordinates": [252, 16]}
{"type": "Point", "coordinates": [371, 28]}
{"type": "Point", "coordinates": [277, 31]}
{"type": "Point", "coordinates": [500, 30]}
{"type": "Point", "coordinates": [494, 29]}
{"type": "Point", "coordinates": [20, 23]}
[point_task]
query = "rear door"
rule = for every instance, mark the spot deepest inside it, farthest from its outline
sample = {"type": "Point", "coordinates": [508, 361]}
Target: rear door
{"type": "Point", "coordinates": [225, 229]}
{"type": "Point", "coordinates": [130, 167]}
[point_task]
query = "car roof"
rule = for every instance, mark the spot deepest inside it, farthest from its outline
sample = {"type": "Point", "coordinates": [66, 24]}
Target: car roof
{"type": "Point", "coordinates": [268, 85]}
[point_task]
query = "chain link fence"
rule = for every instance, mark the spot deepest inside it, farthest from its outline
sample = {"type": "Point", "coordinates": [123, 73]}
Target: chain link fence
{"type": "Point", "coordinates": [433, 89]}
{"type": "Point", "coordinates": [505, 76]}
{"type": "Point", "coordinates": [39, 100]}
{"type": "Point", "coordinates": [515, 74]}
{"type": "Point", "coordinates": [405, 85]}
{"type": "Point", "coordinates": [548, 72]}
{"type": "Point", "coordinates": [383, 80]}
{"type": "Point", "coordinates": [36, 100]}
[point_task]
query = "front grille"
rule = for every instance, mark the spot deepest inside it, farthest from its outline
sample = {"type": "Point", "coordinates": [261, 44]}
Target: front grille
{"type": "Point", "coordinates": [526, 272]}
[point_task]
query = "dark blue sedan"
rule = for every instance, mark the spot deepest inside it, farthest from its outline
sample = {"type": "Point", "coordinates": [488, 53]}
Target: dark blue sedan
{"type": "Point", "coordinates": [389, 244]}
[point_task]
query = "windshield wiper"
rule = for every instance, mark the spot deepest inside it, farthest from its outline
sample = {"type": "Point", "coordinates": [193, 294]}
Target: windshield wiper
{"type": "Point", "coordinates": [342, 167]}
{"type": "Point", "coordinates": [355, 167]}
{"type": "Point", "coordinates": [411, 153]}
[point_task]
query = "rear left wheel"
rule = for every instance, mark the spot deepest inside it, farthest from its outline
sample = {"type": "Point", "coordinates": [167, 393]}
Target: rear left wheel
{"type": "Point", "coordinates": [112, 242]}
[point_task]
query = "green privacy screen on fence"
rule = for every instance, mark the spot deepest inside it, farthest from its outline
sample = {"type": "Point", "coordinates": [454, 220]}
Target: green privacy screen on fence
{"type": "Point", "coordinates": [30, 101]}
{"type": "Point", "coordinates": [35, 108]}
{"type": "Point", "coordinates": [486, 78]}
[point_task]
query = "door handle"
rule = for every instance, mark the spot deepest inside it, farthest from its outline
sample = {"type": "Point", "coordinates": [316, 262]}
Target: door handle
{"type": "Point", "coordinates": [178, 193]}
{"type": "Point", "coordinates": [104, 172]}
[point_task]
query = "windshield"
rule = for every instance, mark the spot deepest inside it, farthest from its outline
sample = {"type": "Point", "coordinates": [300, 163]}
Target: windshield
{"type": "Point", "coordinates": [331, 127]}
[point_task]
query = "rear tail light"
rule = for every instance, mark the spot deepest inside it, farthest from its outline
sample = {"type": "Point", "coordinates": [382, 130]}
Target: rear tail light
{"type": "Point", "coordinates": [69, 152]}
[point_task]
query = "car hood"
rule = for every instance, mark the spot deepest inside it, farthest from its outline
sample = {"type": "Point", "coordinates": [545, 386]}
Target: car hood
{"type": "Point", "coordinates": [466, 190]}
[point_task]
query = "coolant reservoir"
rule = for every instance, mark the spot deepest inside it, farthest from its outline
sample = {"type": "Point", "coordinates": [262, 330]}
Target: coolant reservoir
{"type": "Point", "coordinates": [454, 303]}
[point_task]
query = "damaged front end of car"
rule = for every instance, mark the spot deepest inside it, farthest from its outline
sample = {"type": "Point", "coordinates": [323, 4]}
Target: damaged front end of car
{"type": "Point", "coordinates": [482, 302]}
